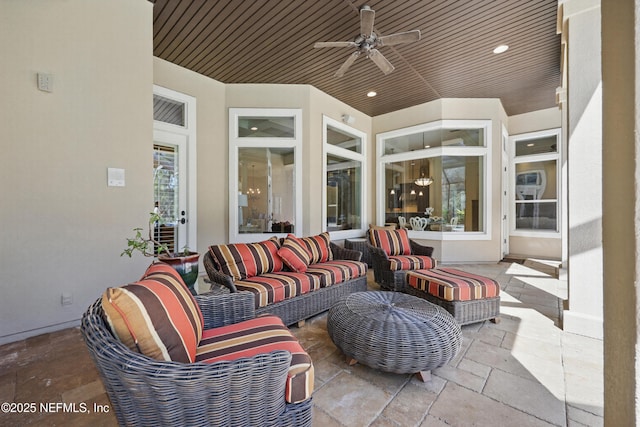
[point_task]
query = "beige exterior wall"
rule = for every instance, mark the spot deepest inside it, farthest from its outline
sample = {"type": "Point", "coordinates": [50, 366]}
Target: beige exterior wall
{"type": "Point", "coordinates": [63, 227]}
{"type": "Point", "coordinates": [621, 227]}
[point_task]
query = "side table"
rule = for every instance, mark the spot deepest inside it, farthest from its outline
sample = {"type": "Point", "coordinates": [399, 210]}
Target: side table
{"type": "Point", "coordinates": [394, 332]}
{"type": "Point", "coordinates": [359, 244]}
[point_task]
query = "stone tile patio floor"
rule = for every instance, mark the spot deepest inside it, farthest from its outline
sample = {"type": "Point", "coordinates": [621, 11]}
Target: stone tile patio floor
{"type": "Point", "coordinates": [524, 371]}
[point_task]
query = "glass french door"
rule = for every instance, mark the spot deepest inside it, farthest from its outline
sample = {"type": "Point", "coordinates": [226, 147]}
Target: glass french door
{"type": "Point", "coordinates": [170, 189]}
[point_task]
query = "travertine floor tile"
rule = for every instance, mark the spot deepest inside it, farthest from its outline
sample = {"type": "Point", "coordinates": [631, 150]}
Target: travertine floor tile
{"type": "Point", "coordinates": [458, 406]}
{"type": "Point", "coordinates": [524, 371]}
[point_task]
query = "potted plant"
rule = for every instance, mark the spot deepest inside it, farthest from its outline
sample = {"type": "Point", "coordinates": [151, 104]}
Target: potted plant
{"type": "Point", "coordinates": [184, 262]}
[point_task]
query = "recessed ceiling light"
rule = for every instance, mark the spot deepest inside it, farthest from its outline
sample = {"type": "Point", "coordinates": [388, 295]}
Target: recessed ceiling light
{"type": "Point", "coordinates": [372, 93]}
{"type": "Point", "coordinates": [501, 48]}
{"type": "Point", "coordinates": [531, 144]}
{"type": "Point", "coordinates": [427, 146]}
{"type": "Point", "coordinates": [253, 128]}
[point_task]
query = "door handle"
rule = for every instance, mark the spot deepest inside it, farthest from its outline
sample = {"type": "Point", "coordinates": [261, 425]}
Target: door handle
{"type": "Point", "coordinates": [183, 220]}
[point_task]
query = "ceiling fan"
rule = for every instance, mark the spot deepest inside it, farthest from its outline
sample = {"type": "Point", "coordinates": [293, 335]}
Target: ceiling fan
{"type": "Point", "coordinates": [368, 41]}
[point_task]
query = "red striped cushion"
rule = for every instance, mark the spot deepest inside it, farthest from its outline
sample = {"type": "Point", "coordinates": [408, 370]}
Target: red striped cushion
{"type": "Point", "coordinates": [294, 254]}
{"type": "Point", "coordinates": [392, 242]}
{"type": "Point", "coordinates": [337, 271]}
{"type": "Point", "coordinates": [243, 260]}
{"type": "Point", "coordinates": [319, 247]}
{"type": "Point", "coordinates": [258, 336]}
{"type": "Point", "coordinates": [270, 288]}
{"type": "Point", "coordinates": [156, 316]}
{"type": "Point", "coordinates": [411, 262]}
{"type": "Point", "coordinates": [450, 284]}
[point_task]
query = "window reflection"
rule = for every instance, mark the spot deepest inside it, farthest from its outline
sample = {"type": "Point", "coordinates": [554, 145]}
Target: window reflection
{"type": "Point", "coordinates": [265, 196]}
{"type": "Point", "coordinates": [451, 202]}
{"type": "Point", "coordinates": [343, 193]}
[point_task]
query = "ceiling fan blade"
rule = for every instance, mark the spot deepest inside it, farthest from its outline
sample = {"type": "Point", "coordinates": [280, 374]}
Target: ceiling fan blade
{"type": "Point", "coordinates": [335, 44]}
{"type": "Point", "coordinates": [382, 62]}
{"type": "Point", "coordinates": [406, 37]}
{"type": "Point", "coordinates": [350, 60]}
{"type": "Point", "coordinates": [366, 21]}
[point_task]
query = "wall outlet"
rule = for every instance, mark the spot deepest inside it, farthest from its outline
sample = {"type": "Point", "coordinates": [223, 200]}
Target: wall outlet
{"type": "Point", "coordinates": [66, 298]}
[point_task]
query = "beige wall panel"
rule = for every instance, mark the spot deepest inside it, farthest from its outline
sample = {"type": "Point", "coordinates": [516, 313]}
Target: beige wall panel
{"type": "Point", "coordinates": [64, 228]}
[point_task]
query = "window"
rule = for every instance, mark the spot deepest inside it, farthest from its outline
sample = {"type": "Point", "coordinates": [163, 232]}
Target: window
{"type": "Point", "coordinates": [536, 183]}
{"type": "Point", "coordinates": [344, 171]}
{"type": "Point", "coordinates": [435, 179]}
{"type": "Point", "coordinates": [264, 154]}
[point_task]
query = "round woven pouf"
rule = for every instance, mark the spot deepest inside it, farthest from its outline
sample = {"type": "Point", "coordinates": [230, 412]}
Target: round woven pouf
{"type": "Point", "coordinates": [394, 332]}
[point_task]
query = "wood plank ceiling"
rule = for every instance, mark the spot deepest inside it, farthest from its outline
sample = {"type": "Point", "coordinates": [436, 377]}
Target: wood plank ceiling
{"type": "Point", "coordinates": [271, 41]}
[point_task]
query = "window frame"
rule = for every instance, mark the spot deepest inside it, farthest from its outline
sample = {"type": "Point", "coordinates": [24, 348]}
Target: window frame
{"type": "Point", "coordinates": [534, 158]}
{"type": "Point", "coordinates": [236, 143]}
{"type": "Point", "coordinates": [484, 151]}
{"type": "Point", "coordinates": [329, 149]}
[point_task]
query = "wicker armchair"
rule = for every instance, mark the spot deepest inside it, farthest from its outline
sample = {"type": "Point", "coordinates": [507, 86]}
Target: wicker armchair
{"type": "Point", "coordinates": [393, 280]}
{"type": "Point", "coordinates": [144, 391]}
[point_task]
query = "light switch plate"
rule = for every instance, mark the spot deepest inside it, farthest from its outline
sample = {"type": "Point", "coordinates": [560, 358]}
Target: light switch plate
{"type": "Point", "coordinates": [115, 177]}
{"type": "Point", "coordinates": [45, 82]}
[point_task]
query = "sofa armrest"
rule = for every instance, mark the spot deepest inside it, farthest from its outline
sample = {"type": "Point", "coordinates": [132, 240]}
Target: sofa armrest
{"type": "Point", "coordinates": [343, 253]}
{"type": "Point", "coordinates": [226, 309]}
{"type": "Point", "coordinates": [215, 275]}
{"type": "Point", "coordinates": [418, 249]}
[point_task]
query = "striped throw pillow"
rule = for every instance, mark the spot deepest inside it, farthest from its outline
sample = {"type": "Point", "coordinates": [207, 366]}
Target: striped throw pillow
{"type": "Point", "coordinates": [294, 254]}
{"type": "Point", "coordinates": [156, 316]}
{"type": "Point", "coordinates": [319, 247]}
{"type": "Point", "coordinates": [392, 242]}
{"type": "Point", "coordinates": [244, 260]}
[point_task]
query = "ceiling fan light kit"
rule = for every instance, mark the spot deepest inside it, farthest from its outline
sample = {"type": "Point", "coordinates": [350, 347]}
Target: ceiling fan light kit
{"type": "Point", "coordinates": [368, 41]}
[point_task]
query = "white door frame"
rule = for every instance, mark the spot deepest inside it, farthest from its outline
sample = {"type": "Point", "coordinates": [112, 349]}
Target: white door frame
{"type": "Point", "coordinates": [185, 135]}
{"type": "Point", "coordinates": [506, 199]}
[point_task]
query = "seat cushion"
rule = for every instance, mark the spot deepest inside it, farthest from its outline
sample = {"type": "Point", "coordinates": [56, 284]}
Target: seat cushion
{"type": "Point", "coordinates": [411, 262]}
{"type": "Point", "coordinates": [243, 260]}
{"type": "Point", "coordinates": [270, 288]}
{"type": "Point", "coordinates": [294, 254]}
{"type": "Point", "coordinates": [319, 246]}
{"type": "Point", "coordinates": [392, 242]}
{"type": "Point", "coordinates": [337, 271]}
{"type": "Point", "coordinates": [257, 336]}
{"type": "Point", "coordinates": [450, 284]}
{"type": "Point", "coordinates": [156, 316]}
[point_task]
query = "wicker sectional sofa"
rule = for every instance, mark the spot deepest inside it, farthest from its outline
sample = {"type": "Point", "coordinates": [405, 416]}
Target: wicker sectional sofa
{"type": "Point", "coordinates": [292, 278]}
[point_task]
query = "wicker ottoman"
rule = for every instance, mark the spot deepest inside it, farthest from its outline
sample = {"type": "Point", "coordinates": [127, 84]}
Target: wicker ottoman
{"type": "Point", "coordinates": [394, 332]}
{"type": "Point", "coordinates": [468, 297]}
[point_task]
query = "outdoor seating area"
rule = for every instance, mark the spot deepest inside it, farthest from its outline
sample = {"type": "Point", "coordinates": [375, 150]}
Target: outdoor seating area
{"type": "Point", "coordinates": [561, 372]}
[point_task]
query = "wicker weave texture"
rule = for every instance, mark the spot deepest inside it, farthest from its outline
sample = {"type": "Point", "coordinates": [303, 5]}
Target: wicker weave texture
{"type": "Point", "coordinates": [394, 332]}
{"type": "Point", "coordinates": [147, 392]}
{"type": "Point", "coordinates": [301, 307]}
{"type": "Point", "coordinates": [464, 312]}
{"type": "Point", "coordinates": [393, 280]}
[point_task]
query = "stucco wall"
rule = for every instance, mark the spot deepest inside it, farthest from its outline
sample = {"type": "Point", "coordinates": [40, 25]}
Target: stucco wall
{"type": "Point", "coordinates": [63, 227]}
